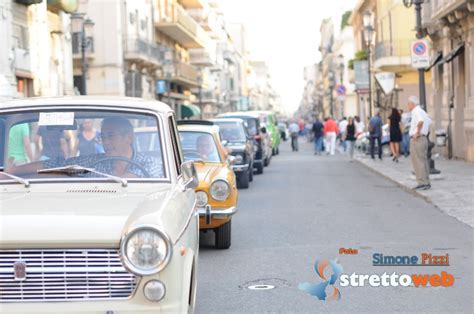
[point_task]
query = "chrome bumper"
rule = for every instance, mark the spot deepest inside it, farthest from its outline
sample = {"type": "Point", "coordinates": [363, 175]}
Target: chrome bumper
{"type": "Point", "coordinates": [209, 213]}
{"type": "Point", "coordinates": [240, 168]}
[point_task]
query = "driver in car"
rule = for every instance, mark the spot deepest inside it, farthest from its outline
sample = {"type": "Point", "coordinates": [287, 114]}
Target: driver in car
{"type": "Point", "coordinates": [119, 159]}
{"type": "Point", "coordinates": [206, 148]}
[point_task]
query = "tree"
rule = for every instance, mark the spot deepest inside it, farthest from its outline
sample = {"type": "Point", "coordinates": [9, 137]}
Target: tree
{"type": "Point", "coordinates": [345, 19]}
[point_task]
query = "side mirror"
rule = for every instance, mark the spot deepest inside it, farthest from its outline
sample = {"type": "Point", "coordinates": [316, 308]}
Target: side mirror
{"type": "Point", "coordinates": [230, 159]}
{"type": "Point", "coordinates": [264, 130]}
{"type": "Point", "coordinates": [224, 142]}
{"type": "Point", "coordinates": [190, 178]}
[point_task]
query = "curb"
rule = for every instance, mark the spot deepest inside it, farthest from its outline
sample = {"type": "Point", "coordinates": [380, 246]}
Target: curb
{"type": "Point", "coordinates": [401, 185]}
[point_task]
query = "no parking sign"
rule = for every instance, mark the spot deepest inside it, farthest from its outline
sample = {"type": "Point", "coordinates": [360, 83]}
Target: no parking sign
{"type": "Point", "coordinates": [420, 56]}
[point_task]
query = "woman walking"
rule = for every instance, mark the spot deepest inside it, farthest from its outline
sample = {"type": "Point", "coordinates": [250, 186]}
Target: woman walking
{"type": "Point", "coordinates": [395, 133]}
{"type": "Point", "coordinates": [88, 140]}
{"type": "Point", "coordinates": [350, 136]}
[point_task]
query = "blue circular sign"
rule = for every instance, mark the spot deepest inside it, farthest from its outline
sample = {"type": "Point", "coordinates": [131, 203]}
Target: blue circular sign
{"type": "Point", "coordinates": [419, 48]}
{"type": "Point", "coordinates": [341, 90]}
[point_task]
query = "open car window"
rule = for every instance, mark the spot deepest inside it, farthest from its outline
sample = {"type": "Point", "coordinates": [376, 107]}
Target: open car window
{"type": "Point", "coordinates": [118, 143]}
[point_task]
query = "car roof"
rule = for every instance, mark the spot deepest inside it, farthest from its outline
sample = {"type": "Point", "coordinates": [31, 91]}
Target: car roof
{"type": "Point", "coordinates": [235, 120]}
{"type": "Point", "coordinates": [113, 101]}
{"type": "Point", "coordinates": [246, 114]}
{"type": "Point", "coordinates": [214, 129]}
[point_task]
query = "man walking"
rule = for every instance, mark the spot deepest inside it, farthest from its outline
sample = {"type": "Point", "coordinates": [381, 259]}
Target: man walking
{"type": "Point", "coordinates": [318, 136]}
{"type": "Point", "coordinates": [294, 130]}
{"type": "Point", "coordinates": [419, 127]}
{"type": "Point", "coordinates": [330, 132]}
{"type": "Point", "coordinates": [375, 134]}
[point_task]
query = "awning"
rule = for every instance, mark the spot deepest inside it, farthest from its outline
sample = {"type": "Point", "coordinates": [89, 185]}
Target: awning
{"type": "Point", "coordinates": [453, 54]}
{"type": "Point", "coordinates": [435, 61]}
{"type": "Point", "coordinates": [189, 111]}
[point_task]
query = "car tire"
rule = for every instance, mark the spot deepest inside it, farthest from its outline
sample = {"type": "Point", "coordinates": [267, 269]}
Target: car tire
{"type": "Point", "coordinates": [260, 168]}
{"type": "Point", "coordinates": [278, 150]}
{"type": "Point", "coordinates": [251, 174]}
{"type": "Point", "coordinates": [223, 236]}
{"type": "Point", "coordinates": [273, 151]}
{"type": "Point", "coordinates": [243, 181]}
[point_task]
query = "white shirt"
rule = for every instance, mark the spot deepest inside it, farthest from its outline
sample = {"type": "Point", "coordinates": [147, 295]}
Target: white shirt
{"type": "Point", "coordinates": [293, 128]}
{"type": "Point", "coordinates": [343, 126]}
{"type": "Point", "coordinates": [418, 115]}
{"type": "Point", "coordinates": [359, 126]}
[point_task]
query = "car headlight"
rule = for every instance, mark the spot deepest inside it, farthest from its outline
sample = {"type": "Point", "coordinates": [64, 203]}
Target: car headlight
{"type": "Point", "coordinates": [146, 250]}
{"type": "Point", "coordinates": [220, 190]}
{"type": "Point", "coordinates": [238, 159]}
{"type": "Point", "coordinates": [201, 199]}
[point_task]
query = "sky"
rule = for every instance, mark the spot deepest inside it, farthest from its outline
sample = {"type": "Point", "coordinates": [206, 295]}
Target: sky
{"type": "Point", "coordinates": [285, 34]}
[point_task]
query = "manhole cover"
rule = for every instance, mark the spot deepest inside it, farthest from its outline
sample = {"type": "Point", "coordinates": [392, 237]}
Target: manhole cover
{"type": "Point", "coordinates": [261, 287]}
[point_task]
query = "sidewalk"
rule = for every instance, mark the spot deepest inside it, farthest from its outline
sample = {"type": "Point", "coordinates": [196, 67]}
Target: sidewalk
{"type": "Point", "coordinates": [452, 191]}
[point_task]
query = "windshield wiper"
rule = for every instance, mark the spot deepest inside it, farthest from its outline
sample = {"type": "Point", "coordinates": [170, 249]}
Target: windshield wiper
{"type": "Point", "coordinates": [76, 169]}
{"type": "Point", "coordinates": [25, 182]}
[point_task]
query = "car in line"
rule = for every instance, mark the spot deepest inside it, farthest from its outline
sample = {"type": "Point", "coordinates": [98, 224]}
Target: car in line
{"type": "Point", "coordinates": [238, 142]}
{"type": "Point", "coordinates": [217, 190]}
{"type": "Point", "coordinates": [112, 231]}
{"type": "Point", "coordinates": [262, 140]}
{"type": "Point", "coordinates": [269, 121]}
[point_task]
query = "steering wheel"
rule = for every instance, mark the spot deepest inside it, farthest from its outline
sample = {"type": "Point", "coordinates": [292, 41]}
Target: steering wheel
{"type": "Point", "coordinates": [192, 154]}
{"type": "Point", "coordinates": [142, 169]}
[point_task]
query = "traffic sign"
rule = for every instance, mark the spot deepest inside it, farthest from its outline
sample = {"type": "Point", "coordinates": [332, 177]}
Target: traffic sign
{"type": "Point", "coordinates": [340, 90]}
{"type": "Point", "coordinates": [420, 56]}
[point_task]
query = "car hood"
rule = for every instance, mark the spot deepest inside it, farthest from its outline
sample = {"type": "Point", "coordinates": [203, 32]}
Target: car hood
{"type": "Point", "coordinates": [207, 172]}
{"type": "Point", "coordinates": [85, 217]}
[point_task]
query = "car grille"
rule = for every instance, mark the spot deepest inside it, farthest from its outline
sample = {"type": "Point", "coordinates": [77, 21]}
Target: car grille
{"type": "Point", "coordinates": [62, 275]}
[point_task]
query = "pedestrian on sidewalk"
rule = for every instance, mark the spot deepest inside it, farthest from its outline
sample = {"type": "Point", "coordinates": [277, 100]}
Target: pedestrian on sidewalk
{"type": "Point", "coordinates": [330, 132]}
{"type": "Point", "coordinates": [419, 127]}
{"type": "Point", "coordinates": [359, 126]}
{"type": "Point", "coordinates": [350, 136]}
{"type": "Point", "coordinates": [294, 129]}
{"type": "Point", "coordinates": [406, 121]}
{"type": "Point", "coordinates": [317, 130]}
{"type": "Point", "coordinates": [395, 133]}
{"type": "Point", "coordinates": [375, 134]}
{"type": "Point", "coordinates": [343, 129]}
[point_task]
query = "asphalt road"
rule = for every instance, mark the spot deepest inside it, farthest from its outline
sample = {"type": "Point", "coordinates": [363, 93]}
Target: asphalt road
{"type": "Point", "coordinates": [307, 207]}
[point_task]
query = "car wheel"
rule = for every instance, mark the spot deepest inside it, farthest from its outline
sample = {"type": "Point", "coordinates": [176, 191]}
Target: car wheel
{"type": "Point", "coordinates": [223, 236]}
{"type": "Point", "coordinates": [278, 150]}
{"type": "Point", "coordinates": [260, 168]}
{"type": "Point", "coordinates": [273, 151]}
{"type": "Point", "coordinates": [243, 181]}
{"type": "Point", "coordinates": [251, 173]}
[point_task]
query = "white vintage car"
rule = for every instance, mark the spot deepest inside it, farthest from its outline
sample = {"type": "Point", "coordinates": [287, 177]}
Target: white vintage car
{"type": "Point", "coordinates": [88, 222]}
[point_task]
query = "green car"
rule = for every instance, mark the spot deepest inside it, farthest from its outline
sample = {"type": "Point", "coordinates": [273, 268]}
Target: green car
{"type": "Point", "coordinates": [269, 121]}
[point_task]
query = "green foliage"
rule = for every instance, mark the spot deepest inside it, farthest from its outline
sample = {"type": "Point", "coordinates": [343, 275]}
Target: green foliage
{"type": "Point", "coordinates": [345, 19]}
{"type": "Point", "coordinates": [361, 55]}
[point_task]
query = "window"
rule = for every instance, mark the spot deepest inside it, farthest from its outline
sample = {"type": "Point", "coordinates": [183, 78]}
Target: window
{"type": "Point", "coordinates": [176, 145]}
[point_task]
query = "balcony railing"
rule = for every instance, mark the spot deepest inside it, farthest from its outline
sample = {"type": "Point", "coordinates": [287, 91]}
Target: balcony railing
{"type": "Point", "coordinates": [202, 56]}
{"type": "Point", "coordinates": [180, 26]}
{"type": "Point", "coordinates": [394, 48]}
{"type": "Point", "coordinates": [186, 73]}
{"type": "Point", "coordinates": [143, 51]}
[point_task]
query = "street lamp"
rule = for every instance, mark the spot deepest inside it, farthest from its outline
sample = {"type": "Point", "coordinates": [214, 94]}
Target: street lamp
{"type": "Point", "coordinates": [83, 26]}
{"type": "Point", "coordinates": [369, 34]}
{"type": "Point", "coordinates": [331, 91]}
{"type": "Point", "coordinates": [340, 62]}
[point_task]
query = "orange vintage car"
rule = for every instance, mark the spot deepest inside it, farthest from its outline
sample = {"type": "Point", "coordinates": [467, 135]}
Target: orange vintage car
{"type": "Point", "coordinates": [217, 189]}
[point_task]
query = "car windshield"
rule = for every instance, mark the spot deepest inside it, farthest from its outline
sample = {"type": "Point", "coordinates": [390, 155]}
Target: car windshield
{"type": "Point", "coordinates": [52, 144]}
{"type": "Point", "coordinates": [199, 146]}
{"type": "Point", "coordinates": [231, 131]}
{"type": "Point", "coordinates": [251, 124]}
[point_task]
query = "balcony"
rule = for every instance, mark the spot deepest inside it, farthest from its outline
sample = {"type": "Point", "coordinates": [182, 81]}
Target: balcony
{"type": "Point", "coordinates": [393, 56]}
{"type": "Point", "coordinates": [192, 4]}
{"type": "Point", "coordinates": [208, 96]}
{"type": "Point", "coordinates": [185, 74]}
{"type": "Point", "coordinates": [143, 52]}
{"type": "Point", "coordinates": [202, 57]}
{"type": "Point", "coordinates": [182, 28]}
